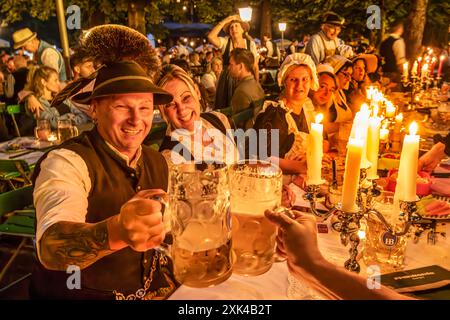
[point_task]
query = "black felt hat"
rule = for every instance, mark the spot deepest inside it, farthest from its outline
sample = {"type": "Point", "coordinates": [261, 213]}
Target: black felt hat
{"type": "Point", "coordinates": [334, 19]}
{"type": "Point", "coordinates": [120, 78]}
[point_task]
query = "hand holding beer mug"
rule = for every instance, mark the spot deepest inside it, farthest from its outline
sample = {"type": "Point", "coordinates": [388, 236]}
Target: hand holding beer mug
{"type": "Point", "coordinates": [200, 220]}
{"type": "Point", "coordinates": [256, 186]}
{"type": "Point", "coordinates": [66, 130]}
{"type": "Point", "coordinates": [42, 129]}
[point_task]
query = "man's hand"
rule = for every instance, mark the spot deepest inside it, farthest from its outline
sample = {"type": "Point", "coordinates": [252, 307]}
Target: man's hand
{"type": "Point", "coordinates": [288, 197]}
{"type": "Point", "coordinates": [34, 105]}
{"type": "Point", "coordinates": [296, 239]}
{"type": "Point", "coordinates": [139, 223]}
{"type": "Point", "coordinates": [432, 158]}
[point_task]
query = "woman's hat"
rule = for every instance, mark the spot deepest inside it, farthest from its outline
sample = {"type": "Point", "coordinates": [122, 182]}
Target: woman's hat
{"type": "Point", "coordinates": [245, 26]}
{"type": "Point", "coordinates": [22, 36]}
{"type": "Point", "coordinates": [371, 61]}
{"type": "Point", "coordinates": [120, 78]}
{"type": "Point", "coordinates": [337, 62]}
{"type": "Point", "coordinates": [298, 59]}
{"type": "Point", "coordinates": [325, 68]}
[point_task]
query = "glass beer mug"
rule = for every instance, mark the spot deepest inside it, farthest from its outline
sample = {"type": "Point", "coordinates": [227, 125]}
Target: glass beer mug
{"type": "Point", "coordinates": [42, 129]}
{"type": "Point", "coordinates": [66, 130]}
{"type": "Point", "coordinates": [199, 201]}
{"type": "Point", "coordinates": [255, 187]}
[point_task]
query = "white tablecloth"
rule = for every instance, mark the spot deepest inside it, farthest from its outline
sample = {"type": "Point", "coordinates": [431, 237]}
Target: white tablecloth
{"type": "Point", "coordinates": [275, 284]}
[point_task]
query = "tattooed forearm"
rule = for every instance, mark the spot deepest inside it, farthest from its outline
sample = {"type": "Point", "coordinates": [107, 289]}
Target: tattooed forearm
{"type": "Point", "coordinates": [70, 243]}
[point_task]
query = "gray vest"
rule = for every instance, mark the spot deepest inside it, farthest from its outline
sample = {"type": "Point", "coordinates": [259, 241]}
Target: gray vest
{"type": "Point", "coordinates": [61, 65]}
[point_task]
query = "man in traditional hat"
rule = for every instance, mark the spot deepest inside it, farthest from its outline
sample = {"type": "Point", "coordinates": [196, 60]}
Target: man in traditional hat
{"type": "Point", "coordinates": [45, 52]}
{"type": "Point", "coordinates": [93, 194]}
{"type": "Point", "coordinates": [326, 43]}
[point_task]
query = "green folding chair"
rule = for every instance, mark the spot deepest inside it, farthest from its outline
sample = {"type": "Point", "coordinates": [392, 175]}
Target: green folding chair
{"type": "Point", "coordinates": [15, 170]}
{"type": "Point", "coordinates": [18, 218]}
{"type": "Point", "coordinates": [12, 110]}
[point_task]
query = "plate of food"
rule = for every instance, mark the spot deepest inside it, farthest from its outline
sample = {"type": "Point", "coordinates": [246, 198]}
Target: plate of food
{"type": "Point", "coordinates": [423, 182]}
{"type": "Point", "coordinates": [434, 208]}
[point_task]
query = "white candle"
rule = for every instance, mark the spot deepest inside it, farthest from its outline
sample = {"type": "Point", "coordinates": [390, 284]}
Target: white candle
{"type": "Point", "coordinates": [355, 148]}
{"type": "Point", "coordinates": [373, 145]}
{"type": "Point", "coordinates": [414, 68]}
{"type": "Point", "coordinates": [361, 125]}
{"type": "Point", "coordinates": [314, 152]}
{"type": "Point", "coordinates": [390, 109]}
{"type": "Point", "coordinates": [424, 72]}
{"type": "Point", "coordinates": [405, 69]}
{"type": "Point", "coordinates": [407, 173]}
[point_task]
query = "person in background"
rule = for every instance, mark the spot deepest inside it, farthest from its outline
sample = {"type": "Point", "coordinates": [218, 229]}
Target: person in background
{"type": "Point", "coordinates": [393, 51]}
{"type": "Point", "coordinates": [82, 65]}
{"type": "Point", "coordinates": [326, 43]}
{"type": "Point", "coordinates": [237, 37]}
{"type": "Point", "coordinates": [293, 47]}
{"type": "Point", "coordinates": [248, 91]}
{"type": "Point", "coordinates": [340, 110]}
{"type": "Point", "coordinates": [44, 83]}
{"type": "Point", "coordinates": [210, 79]}
{"type": "Point", "coordinates": [322, 98]}
{"type": "Point", "coordinates": [292, 114]}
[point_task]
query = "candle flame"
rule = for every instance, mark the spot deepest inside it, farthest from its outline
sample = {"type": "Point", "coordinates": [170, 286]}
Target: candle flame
{"type": "Point", "coordinates": [413, 128]}
{"type": "Point", "coordinates": [433, 60]}
{"type": "Point", "coordinates": [442, 57]}
{"type": "Point", "coordinates": [399, 117]}
{"type": "Point", "coordinates": [319, 118]}
{"type": "Point", "coordinates": [420, 59]}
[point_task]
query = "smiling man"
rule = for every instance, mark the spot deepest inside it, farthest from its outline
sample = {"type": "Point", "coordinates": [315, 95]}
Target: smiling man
{"type": "Point", "coordinates": [93, 198]}
{"type": "Point", "coordinates": [326, 43]}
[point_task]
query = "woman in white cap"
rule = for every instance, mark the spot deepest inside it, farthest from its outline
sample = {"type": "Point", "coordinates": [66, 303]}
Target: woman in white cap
{"type": "Point", "coordinates": [236, 29]}
{"type": "Point", "coordinates": [343, 69]}
{"type": "Point", "coordinates": [293, 113]}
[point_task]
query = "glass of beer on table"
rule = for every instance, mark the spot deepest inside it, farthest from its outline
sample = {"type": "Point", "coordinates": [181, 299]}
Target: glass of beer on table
{"type": "Point", "coordinates": [199, 201]}
{"type": "Point", "coordinates": [255, 186]}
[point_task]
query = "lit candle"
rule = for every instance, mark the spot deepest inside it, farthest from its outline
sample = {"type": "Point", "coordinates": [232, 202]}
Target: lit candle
{"type": "Point", "coordinates": [384, 134]}
{"type": "Point", "coordinates": [355, 148]}
{"type": "Point", "coordinates": [407, 173]}
{"type": "Point", "coordinates": [433, 64]}
{"type": "Point", "coordinates": [405, 69]}
{"type": "Point", "coordinates": [360, 126]}
{"type": "Point", "coordinates": [414, 68]}
{"type": "Point", "coordinates": [399, 118]}
{"type": "Point", "coordinates": [314, 152]}
{"type": "Point", "coordinates": [373, 144]}
{"type": "Point", "coordinates": [424, 72]}
{"type": "Point", "coordinates": [390, 109]}
{"type": "Point", "coordinates": [441, 61]}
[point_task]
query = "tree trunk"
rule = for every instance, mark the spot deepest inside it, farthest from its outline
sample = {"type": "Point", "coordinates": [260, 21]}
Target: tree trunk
{"type": "Point", "coordinates": [266, 19]}
{"type": "Point", "coordinates": [136, 15]}
{"type": "Point", "coordinates": [416, 25]}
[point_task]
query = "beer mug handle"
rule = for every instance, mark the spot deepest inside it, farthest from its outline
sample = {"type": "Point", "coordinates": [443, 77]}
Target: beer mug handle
{"type": "Point", "coordinates": [164, 247]}
{"type": "Point", "coordinates": [36, 133]}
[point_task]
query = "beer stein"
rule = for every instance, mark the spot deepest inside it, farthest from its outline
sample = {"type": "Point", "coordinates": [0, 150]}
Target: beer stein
{"type": "Point", "coordinates": [66, 130]}
{"type": "Point", "coordinates": [255, 186]}
{"type": "Point", "coordinates": [199, 202]}
{"type": "Point", "coordinates": [42, 129]}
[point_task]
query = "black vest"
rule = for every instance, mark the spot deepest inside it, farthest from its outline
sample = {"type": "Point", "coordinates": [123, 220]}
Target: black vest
{"type": "Point", "coordinates": [388, 55]}
{"type": "Point", "coordinates": [113, 184]}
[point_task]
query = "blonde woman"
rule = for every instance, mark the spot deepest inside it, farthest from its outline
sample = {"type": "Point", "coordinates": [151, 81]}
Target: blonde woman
{"type": "Point", "coordinates": [191, 135]}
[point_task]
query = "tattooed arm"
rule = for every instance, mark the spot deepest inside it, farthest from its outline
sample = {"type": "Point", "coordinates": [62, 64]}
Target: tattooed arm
{"type": "Point", "coordinates": [138, 225]}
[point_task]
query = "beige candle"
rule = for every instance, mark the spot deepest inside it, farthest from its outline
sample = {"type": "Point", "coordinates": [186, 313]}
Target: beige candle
{"type": "Point", "coordinates": [405, 69]}
{"type": "Point", "coordinates": [355, 148]}
{"type": "Point", "coordinates": [373, 145]}
{"type": "Point", "coordinates": [407, 173]}
{"type": "Point", "coordinates": [314, 152]}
